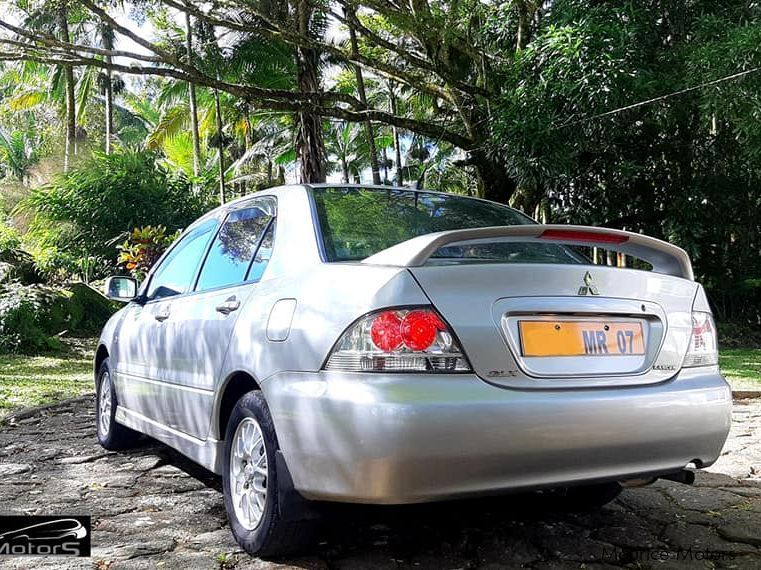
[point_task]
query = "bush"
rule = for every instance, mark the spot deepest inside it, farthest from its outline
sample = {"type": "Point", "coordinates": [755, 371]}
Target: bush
{"type": "Point", "coordinates": [31, 316]}
{"type": "Point", "coordinates": [87, 309]}
{"type": "Point", "coordinates": [143, 248]}
{"type": "Point", "coordinates": [15, 263]}
{"type": "Point", "coordinates": [26, 313]}
{"type": "Point", "coordinates": [739, 335]}
{"type": "Point", "coordinates": [87, 210]}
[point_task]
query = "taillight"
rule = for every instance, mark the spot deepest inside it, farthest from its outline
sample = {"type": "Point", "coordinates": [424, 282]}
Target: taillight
{"type": "Point", "coordinates": [703, 350]}
{"type": "Point", "coordinates": [399, 340]}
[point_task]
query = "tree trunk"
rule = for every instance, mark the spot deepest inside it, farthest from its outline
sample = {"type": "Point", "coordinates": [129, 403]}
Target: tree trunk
{"type": "Point", "coordinates": [398, 157]}
{"type": "Point", "coordinates": [369, 131]}
{"type": "Point", "coordinates": [344, 171]}
{"type": "Point", "coordinates": [220, 147]}
{"type": "Point", "coordinates": [249, 131]}
{"type": "Point", "coordinates": [494, 181]}
{"type": "Point", "coordinates": [192, 98]}
{"type": "Point", "coordinates": [310, 146]}
{"type": "Point", "coordinates": [397, 147]}
{"type": "Point", "coordinates": [62, 17]}
{"type": "Point", "coordinates": [524, 25]}
{"type": "Point", "coordinates": [108, 87]}
{"type": "Point", "coordinates": [109, 97]}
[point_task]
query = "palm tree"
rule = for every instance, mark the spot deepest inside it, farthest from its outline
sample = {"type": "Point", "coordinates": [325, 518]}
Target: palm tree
{"type": "Point", "coordinates": [192, 99]}
{"type": "Point", "coordinates": [107, 39]}
{"type": "Point", "coordinates": [362, 94]}
{"type": "Point", "coordinates": [344, 142]}
{"type": "Point", "coordinates": [17, 153]}
{"type": "Point", "coordinates": [62, 27]}
{"type": "Point", "coordinates": [310, 145]}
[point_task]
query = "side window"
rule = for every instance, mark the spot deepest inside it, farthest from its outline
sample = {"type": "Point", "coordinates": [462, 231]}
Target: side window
{"type": "Point", "coordinates": [175, 274]}
{"type": "Point", "coordinates": [263, 254]}
{"type": "Point", "coordinates": [233, 248]}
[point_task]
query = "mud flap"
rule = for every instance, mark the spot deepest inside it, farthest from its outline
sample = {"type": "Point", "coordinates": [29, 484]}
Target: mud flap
{"type": "Point", "coordinates": [292, 506]}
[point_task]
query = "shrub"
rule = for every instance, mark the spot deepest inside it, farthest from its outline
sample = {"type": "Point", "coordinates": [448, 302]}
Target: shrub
{"type": "Point", "coordinates": [739, 335]}
{"type": "Point", "coordinates": [87, 210]}
{"type": "Point", "coordinates": [15, 263]}
{"type": "Point", "coordinates": [27, 313]}
{"type": "Point", "coordinates": [87, 309]}
{"type": "Point", "coordinates": [32, 315]}
{"type": "Point", "coordinates": [143, 248]}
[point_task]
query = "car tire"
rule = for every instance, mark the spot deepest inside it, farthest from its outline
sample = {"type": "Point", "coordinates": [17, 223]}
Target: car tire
{"type": "Point", "coordinates": [587, 497]}
{"type": "Point", "coordinates": [111, 435]}
{"type": "Point", "coordinates": [256, 522]}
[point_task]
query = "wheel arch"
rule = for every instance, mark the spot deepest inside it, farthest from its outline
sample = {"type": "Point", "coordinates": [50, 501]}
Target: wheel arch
{"type": "Point", "coordinates": [234, 386]}
{"type": "Point", "coordinates": [100, 355]}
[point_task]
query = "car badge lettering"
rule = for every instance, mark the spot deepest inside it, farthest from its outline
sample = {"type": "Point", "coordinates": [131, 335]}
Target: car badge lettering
{"type": "Point", "coordinates": [589, 287]}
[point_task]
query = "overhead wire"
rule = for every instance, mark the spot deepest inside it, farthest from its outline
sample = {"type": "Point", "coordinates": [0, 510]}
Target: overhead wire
{"type": "Point", "coordinates": [660, 98]}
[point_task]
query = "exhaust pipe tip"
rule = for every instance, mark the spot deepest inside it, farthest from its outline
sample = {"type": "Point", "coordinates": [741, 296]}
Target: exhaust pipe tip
{"type": "Point", "coordinates": [634, 483]}
{"type": "Point", "coordinates": [684, 476]}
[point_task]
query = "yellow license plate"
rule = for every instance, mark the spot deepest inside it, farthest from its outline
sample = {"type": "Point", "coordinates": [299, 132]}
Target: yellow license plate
{"type": "Point", "coordinates": [581, 338]}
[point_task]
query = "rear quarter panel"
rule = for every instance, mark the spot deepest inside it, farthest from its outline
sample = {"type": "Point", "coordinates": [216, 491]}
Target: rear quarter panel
{"type": "Point", "coordinates": [329, 298]}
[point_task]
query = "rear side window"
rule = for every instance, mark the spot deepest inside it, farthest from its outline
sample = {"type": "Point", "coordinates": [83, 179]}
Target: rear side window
{"type": "Point", "coordinates": [263, 254]}
{"type": "Point", "coordinates": [233, 250]}
{"type": "Point", "coordinates": [356, 223]}
{"type": "Point", "coordinates": [175, 274]}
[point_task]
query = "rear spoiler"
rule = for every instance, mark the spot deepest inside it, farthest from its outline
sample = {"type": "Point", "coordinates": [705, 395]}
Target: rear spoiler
{"type": "Point", "coordinates": [664, 257]}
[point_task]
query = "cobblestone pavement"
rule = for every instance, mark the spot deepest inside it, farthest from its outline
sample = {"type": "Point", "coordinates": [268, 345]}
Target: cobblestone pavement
{"type": "Point", "coordinates": [154, 509]}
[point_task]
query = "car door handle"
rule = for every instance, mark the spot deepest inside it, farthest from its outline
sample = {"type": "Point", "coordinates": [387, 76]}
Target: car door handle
{"type": "Point", "coordinates": [162, 316]}
{"type": "Point", "coordinates": [228, 306]}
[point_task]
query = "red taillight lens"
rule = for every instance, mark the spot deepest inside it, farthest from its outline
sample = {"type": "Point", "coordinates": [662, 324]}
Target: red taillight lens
{"type": "Point", "coordinates": [386, 331]}
{"type": "Point", "coordinates": [419, 329]}
{"type": "Point", "coordinates": [411, 339]}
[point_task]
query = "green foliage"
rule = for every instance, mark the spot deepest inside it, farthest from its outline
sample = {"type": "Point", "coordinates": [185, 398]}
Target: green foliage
{"type": "Point", "coordinates": [15, 263]}
{"type": "Point", "coordinates": [10, 241]}
{"type": "Point", "coordinates": [86, 211]}
{"type": "Point", "coordinates": [142, 249]}
{"type": "Point", "coordinates": [17, 153]}
{"type": "Point", "coordinates": [27, 313]}
{"type": "Point", "coordinates": [686, 169]}
{"type": "Point", "coordinates": [31, 316]}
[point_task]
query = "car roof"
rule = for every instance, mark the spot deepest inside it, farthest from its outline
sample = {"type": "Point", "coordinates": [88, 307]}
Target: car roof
{"type": "Point", "coordinates": [291, 187]}
{"type": "Point", "coordinates": [278, 190]}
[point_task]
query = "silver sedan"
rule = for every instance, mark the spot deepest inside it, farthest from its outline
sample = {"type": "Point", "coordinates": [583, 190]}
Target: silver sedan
{"type": "Point", "coordinates": [386, 345]}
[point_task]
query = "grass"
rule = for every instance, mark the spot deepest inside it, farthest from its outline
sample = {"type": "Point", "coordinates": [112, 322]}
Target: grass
{"type": "Point", "coordinates": [742, 367]}
{"type": "Point", "coordinates": [38, 380]}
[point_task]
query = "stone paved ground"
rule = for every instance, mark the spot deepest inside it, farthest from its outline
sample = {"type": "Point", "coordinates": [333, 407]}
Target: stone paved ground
{"type": "Point", "coordinates": [154, 509]}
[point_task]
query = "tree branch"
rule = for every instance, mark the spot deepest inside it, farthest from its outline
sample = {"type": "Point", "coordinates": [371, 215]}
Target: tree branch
{"type": "Point", "coordinates": [53, 42]}
{"type": "Point", "coordinates": [277, 33]}
{"type": "Point", "coordinates": [323, 104]}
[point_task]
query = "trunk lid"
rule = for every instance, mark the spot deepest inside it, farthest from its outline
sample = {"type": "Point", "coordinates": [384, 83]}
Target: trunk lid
{"type": "Point", "coordinates": [559, 325]}
{"type": "Point", "coordinates": [485, 305]}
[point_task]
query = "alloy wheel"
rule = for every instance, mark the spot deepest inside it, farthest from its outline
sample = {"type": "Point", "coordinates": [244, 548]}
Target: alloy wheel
{"type": "Point", "coordinates": [248, 473]}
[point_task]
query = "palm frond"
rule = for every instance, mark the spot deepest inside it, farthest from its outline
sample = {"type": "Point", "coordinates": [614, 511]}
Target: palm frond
{"type": "Point", "coordinates": [26, 99]}
{"type": "Point", "coordinates": [84, 91]}
{"type": "Point", "coordinates": [173, 122]}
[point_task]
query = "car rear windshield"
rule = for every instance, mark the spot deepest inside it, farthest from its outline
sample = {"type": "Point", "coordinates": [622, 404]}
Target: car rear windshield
{"type": "Point", "coordinates": [356, 223]}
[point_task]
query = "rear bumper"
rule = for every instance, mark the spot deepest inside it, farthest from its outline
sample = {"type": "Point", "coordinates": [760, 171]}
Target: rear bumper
{"type": "Point", "coordinates": [391, 438]}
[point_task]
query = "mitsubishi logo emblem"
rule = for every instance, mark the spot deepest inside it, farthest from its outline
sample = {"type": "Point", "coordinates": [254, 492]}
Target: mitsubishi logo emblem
{"type": "Point", "coordinates": [589, 287]}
